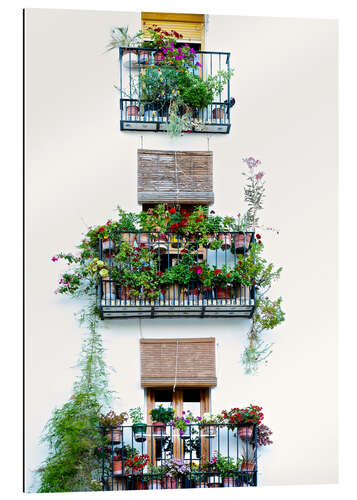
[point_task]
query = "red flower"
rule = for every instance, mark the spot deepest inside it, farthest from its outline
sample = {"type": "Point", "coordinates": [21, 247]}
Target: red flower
{"type": "Point", "coordinates": [159, 273]}
{"type": "Point", "coordinates": [172, 211]}
{"type": "Point", "coordinates": [101, 229]}
{"type": "Point", "coordinates": [174, 227]}
{"type": "Point", "coordinates": [228, 275]}
{"type": "Point", "coordinates": [184, 250]}
{"type": "Point", "coordinates": [217, 271]}
{"type": "Point", "coordinates": [258, 236]}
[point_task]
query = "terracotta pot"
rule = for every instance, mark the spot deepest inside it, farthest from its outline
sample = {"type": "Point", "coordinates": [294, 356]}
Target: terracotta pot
{"type": "Point", "coordinates": [245, 432]}
{"type": "Point", "coordinates": [154, 484]}
{"type": "Point", "coordinates": [247, 466]}
{"type": "Point", "coordinates": [239, 240]}
{"type": "Point", "coordinates": [223, 293]}
{"type": "Point", "coordinates": [143, 240]}
{"type": "Point", "coordinates": [218, 114]}
{"type": "Point", "coordinates": [170, 483]}
{"type": "Point", "coordinates": [127, 51]}
{"type": "Point", "coordinates": [108, 289]}
{"type": "Point", "coordinates": [108, 244]}
{"type": "Point", "coordinates": [132, 111]}
{"type": "Point", "coordinates": [129, 238]}
{"type": "Point", "coordinates": [229, 481]}
{"type": "Point", "coordinates": [115, 435]}
{"type": "Point", "coordinates": [159, 428]}
{"type": "Point", "coordinates": [139, 484]}
{"type": "Point", "coordinates": [226, 239]}
{"type": "Point", "coordinates": [118, 468]}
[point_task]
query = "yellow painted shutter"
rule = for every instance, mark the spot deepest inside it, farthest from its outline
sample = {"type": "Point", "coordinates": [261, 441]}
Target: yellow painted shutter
{"type": "Point", "coordinates": [191, 27]}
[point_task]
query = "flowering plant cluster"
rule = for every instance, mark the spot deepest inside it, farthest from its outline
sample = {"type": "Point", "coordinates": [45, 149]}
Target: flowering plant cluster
{"type": "Point", "coordinates": [111, 419]}
{"type": "Point", "coordinates": [263, 435]}
{"type": "Point", "coordinates": [137, 463]}
{"type": "Point", "coordinates": [212, 418]}
{"type": "Point", "coordinates": [162, 414]}
{"type": "Point", "coordinates": [243, 416]}
{"type": "Point", "coordinates": [175, 467]}
{"type": "Point", "coordinates": [181, 422]}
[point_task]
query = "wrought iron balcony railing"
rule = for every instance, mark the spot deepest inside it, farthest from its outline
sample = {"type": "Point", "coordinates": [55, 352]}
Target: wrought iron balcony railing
{"type": "Point", "coordinates": [175, 299]}
{"type": "Point", "coordinates": [207, 456]}
{"type": "Point", "coordinates": [140, 112]}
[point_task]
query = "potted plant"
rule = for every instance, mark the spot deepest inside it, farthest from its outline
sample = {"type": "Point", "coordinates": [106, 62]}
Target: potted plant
{"type": "Point", "coordinates": [183, 422]}
{"type": "Point", "coordinates": [111, 423]}
{"type": "Point", "coordinates": [228, 469]}
{"type": "Point", "coordinates": [136, 466]}
{"type": "Point", "coordinates": [160, 243]}
{"type": "Point", "coordinates": [244, 419]}
{"type": "Point", "coordinates": [138, 425]}
{"type": "Point", "coordinates": [248, 460]}
{"type": "Point", "coordinates": [174, 470]}
{"type": "Point", "coordinates": [120, 38]}
{"type": "Point", "coordinates": [160, 417]}
{"type": "Point", "coordinates": [155, 475]}
{"type": "Point", "coordinates": [118, 464]}
{"type": "Point", "coordinates": [210, 422]}
{"type": "Point", "coordinates": [213, 479]}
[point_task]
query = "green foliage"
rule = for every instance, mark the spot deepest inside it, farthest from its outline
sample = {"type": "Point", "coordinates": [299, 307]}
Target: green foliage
{"type": "Point", "coordinates": [72, 433]}
{"type": "Point", "coordinates": [136, 415]}
{"type": "Point", "coordinates": [162, 414]}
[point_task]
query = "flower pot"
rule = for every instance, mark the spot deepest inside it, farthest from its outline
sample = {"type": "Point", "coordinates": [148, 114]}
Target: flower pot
{"type": "Point", "coordinates": [229, 482]}
{"type": "Point", "coordinates": [108, 289]}
{"type": "Point", "coordinates": [118, 467]}
{"type": "Point", "coordinates": [218, 114]}
{"type": "Point", "coordinates": [108, 244]}
{"type": "Point", "coordinates": [158, 57]}
{"type": "Point", "coordinates": [223, 293]}
{"type": "Point", "coordinates": [115, 435]}
{"type": "Point", "coordinates": [247, 466]}
{"type": "Point", "coordinates": [226, 239]}
{"type": "Point", "coordinates": [143, 56]}
{"type": "Point", "coordinates": [138, 483]}
{"type": "Point", "coordinates": [242, 240]}
{"type": "Point", "coordinates": [245, 432]}
{"type": "Point", "coordinates": [209, 430]}
{"type": "Point", "coordinates": [132, 111]}
{"type": "Point", "coordinates": [154, 484]}
{"type": "Point", "coordinates": [143, 240]}
{"type": "Point", "coordinates": [175, 242]}
{"type": "Point", "coordinates": [139, 431]}
{"type": "Point", "coordinates": [214, 481]}
{"type": "Point", "coordinates": [169, 483]}
{"type": "Point", "coordinates": [159, 428]}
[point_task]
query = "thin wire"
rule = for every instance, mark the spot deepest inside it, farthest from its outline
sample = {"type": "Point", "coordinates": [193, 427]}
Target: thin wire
{"type": "Point", "coordinates": [177, 343]}
{"type": "Point", "coordinates": [176, 178]}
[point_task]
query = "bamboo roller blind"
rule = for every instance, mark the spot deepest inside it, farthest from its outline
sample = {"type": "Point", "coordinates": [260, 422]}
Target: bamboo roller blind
{"type": "Point", "coordinates": [184, 362]}
{"type": "Point", "coordinates": [175, 176]}
{"type": "Point", "coordinates": [191, 26]}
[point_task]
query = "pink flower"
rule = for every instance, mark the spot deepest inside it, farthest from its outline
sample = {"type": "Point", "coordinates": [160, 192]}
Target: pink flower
{"type": "Point", "coordinates": [259, 175]}
{"type": "Point", "coordinates": [54, 258]}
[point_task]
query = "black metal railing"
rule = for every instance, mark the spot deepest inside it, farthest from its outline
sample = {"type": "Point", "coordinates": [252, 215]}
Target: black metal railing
{"type": "Point", "coordinates": [206, 456]}
{"type": "Point", "coordinates": [176, 298]}
{"type": "Point", "coordinates": [137, 112]}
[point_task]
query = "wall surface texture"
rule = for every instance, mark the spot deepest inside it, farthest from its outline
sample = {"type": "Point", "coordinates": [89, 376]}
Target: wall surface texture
{"type": "Point", "coordinates": [79, 166]}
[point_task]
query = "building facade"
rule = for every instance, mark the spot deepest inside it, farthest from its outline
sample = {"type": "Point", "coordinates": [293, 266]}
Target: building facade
{"type": "Point", "coordinates": [100, 153]}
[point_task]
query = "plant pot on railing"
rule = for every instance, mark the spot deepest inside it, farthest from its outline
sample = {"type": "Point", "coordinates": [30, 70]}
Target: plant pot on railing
{"type": "Point", "coordinates": [214, 481]}
{"type": "Point", "coordinates": [159, 428]}
{"type": "Point", "coordinates": [229, 481]}
{"type": "Point", "coordinates": [247, 466]}
{"type": "Point", "coordinates": [143, 240]}
{"type": "Point", "coordinates": [218, 114]}
{"type": "Point", "coordinates": [245, 432]}
{"type": "Point", "coordinates": [118, 466]}
{"type": "Point", "coordinates": [176, 242]}
{"type": "Point", "coordinates": [108, 289]}
{"type": "Point", "coordinates": [132, 111]}
{"type": "Point", "coordinates": [223, 293]}
{"type": "Point", "coordinates": [143, 56]}
{"type": "Point", "coordinates": [108, 244]}
{"type": "Point", "coordinates": [226, 239]}
{"type": "Point", "coordinates": [115, 435]}
{"type": "Point", "coordinates": [169, 483]}
{"type": "Point", "coordinates": [138, 483]}
{"type": "Point", "coordinates": [161, 245]}
{"type": "Point", "coordinates": [242, 241]}
{"type": "Point", "coordinates": [139, 431]}
{"type": "Point", "coordinates": [154, 484]}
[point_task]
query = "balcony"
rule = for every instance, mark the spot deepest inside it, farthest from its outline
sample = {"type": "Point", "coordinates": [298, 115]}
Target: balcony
{"type": "Point", "coordinates": [171, 262]}
{"type": "Point", "coordinates": [145, 95]}
{"type": "Point", "coordinates": [196, 449]}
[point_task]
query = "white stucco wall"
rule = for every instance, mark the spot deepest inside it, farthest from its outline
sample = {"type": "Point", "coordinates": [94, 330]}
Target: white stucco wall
{"type": "Point", "coordinates": [79, 166]}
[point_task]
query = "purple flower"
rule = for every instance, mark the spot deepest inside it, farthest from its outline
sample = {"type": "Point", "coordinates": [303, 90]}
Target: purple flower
{"type": "Point", "coordinates": [259, 175]}
{"type": "Point", "coordinates": [198, 64]}
{"type": "Point", "coordinates": [181, 433]}
{"type": "Point", "coordinates": [199, 418]}
{"type": "Point", "coordinates": [54, 258]}
{"type": "Point", "coordinates": [187, 420]}
{"type": "Point", "coordinates": [212, 212]}
{"type": "Point", "coordinates": [183, 413]}
{"type": "Point", "coordinates": [192, 50]}
{"type": "Point", "coordinates": [164, 51]}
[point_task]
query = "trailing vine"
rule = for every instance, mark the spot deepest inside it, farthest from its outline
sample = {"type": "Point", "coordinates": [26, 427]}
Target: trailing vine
{"type": "Point", "coordinates": [268, 313]}
{"type": "Point", "coordinates": [72, 433]}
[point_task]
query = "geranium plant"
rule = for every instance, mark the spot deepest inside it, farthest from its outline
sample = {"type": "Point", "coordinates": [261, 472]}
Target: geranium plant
{"type": "Point", "coordinates": [112, 419]}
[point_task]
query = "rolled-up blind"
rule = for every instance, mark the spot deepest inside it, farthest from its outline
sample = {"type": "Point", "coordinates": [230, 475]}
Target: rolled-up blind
{"type": "Point", "coordinates": [175, 176]}
{"type": "Point", "coordinates": [180, 362]}
{"type": "Point", "coordinates": [190, 26]}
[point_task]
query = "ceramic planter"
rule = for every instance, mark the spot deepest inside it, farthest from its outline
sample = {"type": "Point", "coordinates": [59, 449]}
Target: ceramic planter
{"type": "Point", "coordinates": [242, 240]}
{"type": "Point", "coordinates": [247, 466]}
{"type": "Point", "coordinates": [226, 239]}
{"type": "Point", "coordinates": [118, 467]}
{"type": "Point", "coordinates": [169, 483]}
{"type": "Point", "coordinates": [229, 482]}
{"type": "Point", "coordinates": [245, 432]}
{"type": "Point", "coordinates": [139, 431]}
{"type": "Point", "coordinates": [160, 245]}
{"type": "Point", "coordinates": [132, 111]}
{"type": "Point", "coordinates": [154, 484]}
{"type": "Point", "coordinates": [159, 428]}
{"type": "Point", "coordinates": [218, 114]}
{"type": "Point", "coordinates": [223, 293]}
{"type": "Point", "coordinates": [115, 435]}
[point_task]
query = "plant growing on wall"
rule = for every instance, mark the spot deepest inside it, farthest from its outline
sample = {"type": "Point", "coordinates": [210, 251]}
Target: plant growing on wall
{"type": "Point", "coordinates": [73, 434]}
